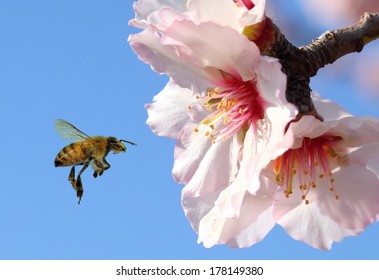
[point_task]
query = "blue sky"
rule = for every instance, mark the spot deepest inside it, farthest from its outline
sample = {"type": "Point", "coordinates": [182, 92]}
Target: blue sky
{"type": "Point", "coordinates": [71, 60]}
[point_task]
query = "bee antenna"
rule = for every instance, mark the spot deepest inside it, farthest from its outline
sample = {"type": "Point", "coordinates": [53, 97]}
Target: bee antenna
{"type": "Point", "coordinates": [126, 141]}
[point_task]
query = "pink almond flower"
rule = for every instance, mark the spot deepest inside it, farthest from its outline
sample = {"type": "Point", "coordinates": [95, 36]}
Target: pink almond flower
{"type": "Point", "coordinates": [322, 188]}
{"type": "Point", "coordinates": [229, 89]}
{"type": "Point", "coordinates": [160, 14]}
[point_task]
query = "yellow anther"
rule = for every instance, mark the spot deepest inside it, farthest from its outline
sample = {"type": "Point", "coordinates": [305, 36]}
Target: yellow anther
{"type": "Point", "coordinates": [212, 126]}
{"type": "Point", "coordinates": [278, 178]}
{"type": "Point", "coordinates": [226, 120]}
{"type": "Point", "coordinates": [329, 151]}
{"type": "Point", "coordinates": [189, 107]}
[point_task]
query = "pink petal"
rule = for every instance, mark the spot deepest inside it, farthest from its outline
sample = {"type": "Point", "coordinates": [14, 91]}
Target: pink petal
{"type": "Point", "coordinates": [206, 45]}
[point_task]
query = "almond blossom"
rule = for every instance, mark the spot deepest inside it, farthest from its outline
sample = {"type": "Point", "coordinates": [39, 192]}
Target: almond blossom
{"type": "Point", "coordinates": [323, 188]}
{"type": "Point", "coordinates": [245, 162]}
{"type": "Point", "coordinates": [220, 87]}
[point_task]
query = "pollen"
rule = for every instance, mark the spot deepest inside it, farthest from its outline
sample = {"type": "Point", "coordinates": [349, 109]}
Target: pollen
{"type": "Point", "coordinates": [232, 106]}
{"type": "Point", "coordinates": [313, 161]}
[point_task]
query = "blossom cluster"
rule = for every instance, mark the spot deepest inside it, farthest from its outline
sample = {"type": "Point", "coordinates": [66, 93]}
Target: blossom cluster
{"type": "Point", "coordinates": [245, 157]}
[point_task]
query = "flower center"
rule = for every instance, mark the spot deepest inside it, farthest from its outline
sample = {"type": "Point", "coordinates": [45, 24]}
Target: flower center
{"type": "Point", "coordinates": [307, 165]}
{"type": "Point", "coordinates": [247, 3]}
{"type": "Point", "coordinates": [231, 106]}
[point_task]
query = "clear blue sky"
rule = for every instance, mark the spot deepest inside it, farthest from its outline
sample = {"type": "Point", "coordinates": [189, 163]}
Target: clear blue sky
{"type": "Point", "coordinates": [71, 60]}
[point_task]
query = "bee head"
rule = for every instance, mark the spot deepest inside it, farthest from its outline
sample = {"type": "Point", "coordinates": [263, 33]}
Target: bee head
{"type": "Point", "coordinates": [117, 146]}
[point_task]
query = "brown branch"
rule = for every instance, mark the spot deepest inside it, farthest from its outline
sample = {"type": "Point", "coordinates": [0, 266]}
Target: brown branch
{"type": "Point", "coordinates": [300, 64]}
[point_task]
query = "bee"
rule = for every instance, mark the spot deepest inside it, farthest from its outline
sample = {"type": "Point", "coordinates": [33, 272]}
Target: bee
{"type": "Point", "coordinates": [85, 150]}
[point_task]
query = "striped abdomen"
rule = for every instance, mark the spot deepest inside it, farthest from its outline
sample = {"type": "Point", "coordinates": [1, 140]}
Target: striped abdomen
{"type": "Point", "coordinates": [73, 154]}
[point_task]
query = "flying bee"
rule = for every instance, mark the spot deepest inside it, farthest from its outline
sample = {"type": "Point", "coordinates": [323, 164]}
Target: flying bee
{"type": "Point", "coordinates": [85, 150]}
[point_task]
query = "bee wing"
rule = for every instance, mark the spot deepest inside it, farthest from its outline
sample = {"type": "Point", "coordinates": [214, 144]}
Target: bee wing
{"type": "Point", "coordinates": [69, 132]}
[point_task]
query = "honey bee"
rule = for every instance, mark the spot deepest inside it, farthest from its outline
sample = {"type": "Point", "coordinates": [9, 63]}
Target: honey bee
{"type": "Point", "coordinates": [85, 150]}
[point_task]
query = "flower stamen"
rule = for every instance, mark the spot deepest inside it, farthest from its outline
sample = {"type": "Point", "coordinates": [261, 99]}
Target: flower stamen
{"type": "Point", "coordinates": [312, 160]}
{"type": "Point", "coordinates": [232, 105]}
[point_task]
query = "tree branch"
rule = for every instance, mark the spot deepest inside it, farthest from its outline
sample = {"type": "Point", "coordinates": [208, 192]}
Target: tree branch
{"type": "Point", "coordinates": [300, 64]}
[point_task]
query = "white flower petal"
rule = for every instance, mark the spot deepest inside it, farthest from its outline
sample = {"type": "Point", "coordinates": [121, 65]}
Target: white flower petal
{"type": "Point", "coordinates": [168, 113]}
{"type": "Point", "coordinates": [357, 131]}
{"type": "Point", "coordinates": [255, 215]}
{"type": "Point", "coordinates": [164, 59]}
{"type": "Point", "coordinates": [255, 15]}
{"type": "Point", "coordinates": [327, 109]}
{"type": "Point", "coordinates": [145, 10]}
{"type": "Point", "coordinates": [196, 207]}
{"type": "Point", "coordinates": [203, 166]}
{"type": "Point", "coordinates": [230, 200]}
{"type": "Point", "coordinates": [222, 12]}
{"type": "Point", "coordinates": [255, 232]}
{"type": "Point", "coordinates": [306, 223]}
{"type": "Point", "coordinates": [358, 191]}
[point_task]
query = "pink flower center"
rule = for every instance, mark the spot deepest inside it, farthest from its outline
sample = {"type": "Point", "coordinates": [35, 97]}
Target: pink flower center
{"type": "Point", "coordinates": [231, 106]}
{"type": "Point", "coordinates": [247, 3]}
{"type": "Point", "coordinates": [307, 165]}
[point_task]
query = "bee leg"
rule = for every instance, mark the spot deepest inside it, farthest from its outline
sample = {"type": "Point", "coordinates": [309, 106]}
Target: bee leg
{"type": "Point", "coordinates": [97, 168]}
{"type": "Point", "coordinates": [77, 184]}
{"type": "Point", "coordinates": [83, 168]}
{"type": "Point", "coordinates": [71, 176]}
{"type": "Point", "coordinates": [100, 168]}
{"type": "Point", "coordinates": [79, 188]}
{"type": "Point", "coordinates": [107, 165]}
